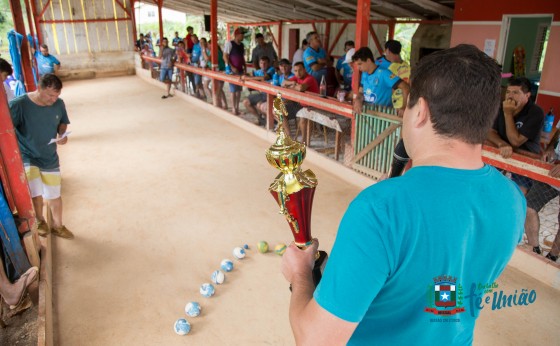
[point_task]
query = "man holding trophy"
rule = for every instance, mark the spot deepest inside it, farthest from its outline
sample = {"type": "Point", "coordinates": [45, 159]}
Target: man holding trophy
{"type": "Point", "coordinates": [450, 216]}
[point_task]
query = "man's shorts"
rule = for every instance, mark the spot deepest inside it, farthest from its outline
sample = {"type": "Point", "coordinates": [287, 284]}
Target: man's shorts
{"type": "Point", "coordinates": [522, 181]}
{"type": "Point", "coordinates": [166, 75]}
{"type": "Point", "coordinates": [255, 99]}
{"type": "Point", "coordinates": [197, 79]}
{"type": "Point", "coordinates": [539, 195]}
{"type": "Point", "coordinates": [43, 182]}
{"type": "Point", "coordinates": [234, 87]}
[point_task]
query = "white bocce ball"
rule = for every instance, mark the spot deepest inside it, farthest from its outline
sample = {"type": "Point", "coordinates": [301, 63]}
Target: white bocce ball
{"type": "Point", "coordinates": [218, 277]}
{"type": "Point", "coordinates": [182, 327]}
{"type": "Point", "coordinates": [192, 309]}
{"type": "Point", "coordinates": [207, 290]}
{"type": "Point", "coordinates": [239, 253]}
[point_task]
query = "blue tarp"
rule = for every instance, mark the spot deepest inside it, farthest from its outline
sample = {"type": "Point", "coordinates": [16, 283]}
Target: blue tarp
{"type": "Point", "coordinates": [14, 40]}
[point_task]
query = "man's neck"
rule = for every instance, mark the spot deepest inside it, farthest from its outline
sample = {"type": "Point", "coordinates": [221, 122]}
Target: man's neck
{"type": "Point", "coordinates": [372, 68]}
{"type": "Point", "coordinates": [34, 97]}
{"type": "Point", "coordinates": [451, 154]}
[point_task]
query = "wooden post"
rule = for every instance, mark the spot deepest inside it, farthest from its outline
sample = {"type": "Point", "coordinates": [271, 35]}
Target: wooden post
{"type": "Point", "coordinates": [279, 40]}
{"type": "Point", "coordinates": [214, 50]}
{"type": "Point", "coordinates": [25, 54]}
{"type": "Point", "coordinates": [391, 25]}
{"type": "Point", "coordinates": [362, 28]}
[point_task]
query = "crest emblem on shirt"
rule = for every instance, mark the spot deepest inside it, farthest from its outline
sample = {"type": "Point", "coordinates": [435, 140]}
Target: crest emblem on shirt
{"type": "Point", "coordinates": [445, 296]}
{"type": "Point", "coordinates": [519, 124]}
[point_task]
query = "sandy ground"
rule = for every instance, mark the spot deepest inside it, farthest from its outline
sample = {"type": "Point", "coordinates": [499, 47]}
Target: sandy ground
{"type": "Point", "coordinates": [158, 192]}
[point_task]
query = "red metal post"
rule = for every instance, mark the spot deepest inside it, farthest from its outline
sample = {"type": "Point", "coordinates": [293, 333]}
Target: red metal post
{"type": "Point", "coordinates": [29, 19]}
{"type": "Point", "coordinates": [337, 38]}
{"type": "Point", "coordinates": [362, 27]}
{"type": "Point", "coordinates": [391, 26]}
{"type": "Point", "coordinates": [133, 17]}
{"type": "Point", "coordinates": [25, 54]}
{"type": "Point", "coordinates": [375, 39]}
{"type": "Point", "coordinates": [159, 6]}
{"type": "Point", "coordinates": [12, 166]}
{"type": "Point", "coordinates": [36, 21]}
{"type": "Point", "coordinates": [326, 37]}
{"type": "Point", "coordinates": [214, 48]}
{"type": "Point", "coordinates": [280, 40]}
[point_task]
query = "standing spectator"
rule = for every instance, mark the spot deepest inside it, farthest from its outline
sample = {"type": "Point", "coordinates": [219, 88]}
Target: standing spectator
{"type": "Point", "coordinates": [46, 63]}
{"type": "Point", "coordinates": [298, 55]}
{"type": "Point", "coordinates": [538, 196]}
{"type": "Point", "coordinates": [38, 117]}
{"type": "Point", "coordinates": [222, 100]}
{"type": "Point", "coordinates": [176, 39]}
{"type": "Point", "coordinates": [6, 71]}
{"type": "Point", "coordinates": [450, 218]}
{"type": "Point", "coordinates": [315, 57]}
{"type": "Point", "coordinates": [518, 125]}
{"type": "Point", "coordinates": [140, 43]}
{"type": "Point", "coordinates": [196, 54]}
{"type": "Point", "coordinates": [188, 40]}
{"type": "Point", "coordinates": [205, 62]}
{"type": "Point", "coordinates": [343, 68]}
{"type": "Point", "coordinates": [263, 49]}
{"type": "Point", "coordinates": [234, 57]}
{"type": "Point", "coordinates": [391, 60]}
{"type": "Point", "coordinates": [167, 56]}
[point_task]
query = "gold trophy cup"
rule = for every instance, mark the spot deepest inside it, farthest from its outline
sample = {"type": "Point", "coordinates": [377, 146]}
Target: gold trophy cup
{"type": "Point", "coordinates": [293, 189]}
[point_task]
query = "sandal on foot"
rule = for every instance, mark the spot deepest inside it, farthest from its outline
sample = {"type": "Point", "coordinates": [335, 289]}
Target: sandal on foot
{"type": "Point", "coordinates": [164, 97]}
{"type": "Point", "coordinates": [28, 278]}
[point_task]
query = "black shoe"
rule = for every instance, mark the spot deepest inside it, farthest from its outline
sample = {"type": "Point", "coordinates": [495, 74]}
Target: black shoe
{"type": "Point", "coordinates": [537, 250]}
{"type": "Point", "coordinates": [552, 257]}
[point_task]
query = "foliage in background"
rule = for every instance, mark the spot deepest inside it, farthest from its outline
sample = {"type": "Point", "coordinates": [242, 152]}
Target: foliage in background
{"type": "Point", "coordinates": [403, 34]}
{"type": "Point", "coordinates": [6, 24]}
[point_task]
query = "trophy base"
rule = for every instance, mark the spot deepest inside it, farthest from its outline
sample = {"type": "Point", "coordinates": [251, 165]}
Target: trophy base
{"type": "Point", "coordinates": [320, 263]}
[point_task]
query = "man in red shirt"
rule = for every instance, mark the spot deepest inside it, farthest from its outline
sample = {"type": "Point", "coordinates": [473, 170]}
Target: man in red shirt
{"type": "Point", "coordinates": [188, 39]}
{"type": "Point", "coordinates": [302, 81]}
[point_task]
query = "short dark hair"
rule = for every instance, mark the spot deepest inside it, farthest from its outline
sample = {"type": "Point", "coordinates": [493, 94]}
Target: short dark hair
{"type": "Point", "coordinates": [309, 34]}
{"type": "Point", "coordinates": [6, 67]}
{"type": "Point", "coordinates": [284, 62]}
{"type": "Point", "coordinates": [259, 35]}
{"type": "Point", "coordinates": [264, 58]}
{"type": "Point", "coordinates": [50, 80]}
{"type": "Point", "coordinates": [393, 46]}
{"type": "Point", "coordinates": [299, 63]}
{"type": "Point", "coordinates": [202, 39]}
{"type": "Point", "coordinates": [189, 28]}
{"type": "Point", "coordinates": [304, 42]}
{"type": "Point", "coordinates": [363, 54]}
{"type": "Point", "coordinates": [44, 46]}
{"type": "Point", "coordinates": [522, 82]}
{"type": "Point", "coordinates": [348, 43]}
{"type": "Point", "coordinates": [444, 78]}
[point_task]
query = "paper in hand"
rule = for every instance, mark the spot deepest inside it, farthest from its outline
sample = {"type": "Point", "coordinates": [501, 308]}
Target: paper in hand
{"type": "Point", "coordinates": [64, 135]}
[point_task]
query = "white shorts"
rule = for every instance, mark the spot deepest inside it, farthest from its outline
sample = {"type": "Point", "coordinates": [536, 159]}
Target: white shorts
{"type": "Point", "coordinates": [44, 183]}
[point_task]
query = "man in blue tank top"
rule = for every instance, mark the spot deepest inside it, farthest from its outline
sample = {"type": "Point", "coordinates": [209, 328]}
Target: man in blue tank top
{"type": "Point", "coordinates": [409, 249]}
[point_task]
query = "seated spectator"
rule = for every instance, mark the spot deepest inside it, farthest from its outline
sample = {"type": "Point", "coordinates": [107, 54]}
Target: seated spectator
{"type": "Point", "coordinates": [264, 73]}
{"type": "Point", "coordinates": [538, 196]}
{"type": "Point", "coordinates": [518, 125]}
{"type": "Point", "coordinates": [315, 57]}
{"type": "Point", "coordinates": [343, 68]}
{"type": "Point", "coordinates": [302, 81]}
{"type": "Point", "coordinates": [298, 55]}
{"type": "Point", "coordinates": [330, 79]}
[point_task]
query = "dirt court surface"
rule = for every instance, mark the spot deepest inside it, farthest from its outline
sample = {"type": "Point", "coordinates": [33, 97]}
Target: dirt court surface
{"type": "Point", "coordinates": [158, 192]}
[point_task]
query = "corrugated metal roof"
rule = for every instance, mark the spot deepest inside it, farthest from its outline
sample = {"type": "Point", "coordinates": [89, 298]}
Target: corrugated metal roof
{"type": "Point", "coordinates": [248, 11]}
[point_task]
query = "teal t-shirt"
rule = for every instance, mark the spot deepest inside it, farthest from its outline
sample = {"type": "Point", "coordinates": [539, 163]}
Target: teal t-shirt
{"type": "Point", "coordinates": [35, 126]}
{"type": "Point", "coordinates": [400, 235]}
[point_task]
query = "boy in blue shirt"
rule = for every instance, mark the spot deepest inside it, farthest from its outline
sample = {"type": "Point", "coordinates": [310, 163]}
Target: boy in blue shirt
{"type": "Point", "coordinates": [407, 247]}
{"type": "Point", "coordinates": [345, 77]}
{"type": "Point", "coordinates": [253, 101]}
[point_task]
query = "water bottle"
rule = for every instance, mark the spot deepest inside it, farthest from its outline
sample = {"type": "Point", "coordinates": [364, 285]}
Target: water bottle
{"type": "Point", "coordinates": [548, 121]}
{"type": "Point", "coordinates": [341, 93]}
{"type": "Point", "coordinates": [276, 79]}
{"type": "Point", "coordinates": [228, 69]}
{"type": "Point", "coordinates": [323, 87]}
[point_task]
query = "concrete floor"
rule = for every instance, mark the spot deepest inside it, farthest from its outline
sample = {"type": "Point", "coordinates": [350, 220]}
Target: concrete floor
{"type": "Point", "coordinates": [158, 192]}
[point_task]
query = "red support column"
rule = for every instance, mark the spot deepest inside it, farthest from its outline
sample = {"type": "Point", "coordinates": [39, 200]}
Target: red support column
{"type": "Point", "coordinates": [25, 54]}
{"type": "Point", "coordinates": [29, 20]}
{"type": "Point", "coordinates": [337, 38]}
{"type": "Point", "coordinates": [280, 40]}
{"type": "Point", "coordinates": [375, 40]}
{"type": "Point", "coordinates": [133, 17]}
{"type": "Point", "coordinates": [228, 34]}
{"type": "Point", "coordinates": [159, 6]}
{"type": "Point", "coordinates": [36, 21]}
{"type": "Point", "coordinates": [214, 48]}
{"type": "Point", "coordinates": [362, 35]}
{"type": "Point", "coordinates": [391, 25]}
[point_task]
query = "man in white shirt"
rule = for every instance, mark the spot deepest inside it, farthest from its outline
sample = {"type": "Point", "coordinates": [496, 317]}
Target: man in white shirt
{"type": "Point", "coordinates": [298, 55]}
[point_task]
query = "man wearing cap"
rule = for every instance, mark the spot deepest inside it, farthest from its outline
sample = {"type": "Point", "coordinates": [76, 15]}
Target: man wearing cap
{"type": "Point", "coordinates": [343, 69]}
{"type": "Point", "coordinates": [263, 49]}
{"type": "Point", "coordinates": [234, 57]}
{"type": "Point", "coordinates": [315, 58]}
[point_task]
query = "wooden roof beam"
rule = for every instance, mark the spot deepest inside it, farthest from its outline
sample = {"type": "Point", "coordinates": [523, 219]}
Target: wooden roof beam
{"type": "Point", "coordinates": [285, 8]}
{"type": "Point", "coordinates": [434, 6]}
{"type": "Point", "coordinates": [399, 9]}
{"type": "Point", "coordinates": [325, 9]}
{"type": "Point", "coordinates": [352, 6]}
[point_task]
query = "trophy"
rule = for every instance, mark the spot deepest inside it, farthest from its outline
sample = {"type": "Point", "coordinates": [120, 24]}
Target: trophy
{"type": "Point", "coordinates": [293, 189]}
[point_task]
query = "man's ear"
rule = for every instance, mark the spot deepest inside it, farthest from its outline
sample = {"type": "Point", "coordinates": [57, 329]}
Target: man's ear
{"type": "Point", "coordinates": [423, 116]}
